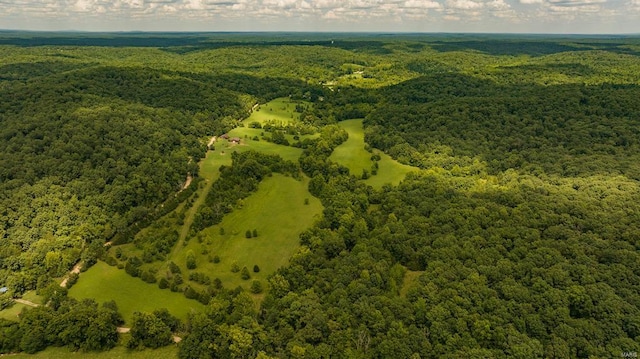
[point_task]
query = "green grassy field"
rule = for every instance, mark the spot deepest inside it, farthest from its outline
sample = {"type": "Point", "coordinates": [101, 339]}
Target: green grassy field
{"type": "Point", "coordinates": [118, 352]}
{"type": "Point", "coordinates": [281, 110]}
{"type": "Point", "coordinates": [389, 171]}
{"type": "Point", "coordinates": [278, 213]}
{"type": "Point", "coordinates": [224, 147]}
{"type": "Point", "coordinates": [12, 313]}
{"type": "Point", "coordinates": [353, 155]}
{"type": "Point", "coordinates": [104, 283]}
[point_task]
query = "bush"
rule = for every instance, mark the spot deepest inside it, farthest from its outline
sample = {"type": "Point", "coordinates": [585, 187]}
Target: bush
{"type": "Point", "coordinates": [256, 287]}
{"type": "Point", "coordinates": [191, 260]}
{"type": "Point", "coordinates": [255, 233]}
{"type": "Point", "coordinates": [248, 234]}
{"type": "Point", "coordinates": [174, 268]}
{"type": "Point", "coordinates": [245, 274]}
{"type": "Point", "coordinates": [72, 279]}
{"type": "Point", "coordinates": [256, 269]}
{"type": "Point", "coordinates": [111, 261]}
{"type": "Point", "coordinates": [235, 268]}
{"type": "Point", "coordinates": [163, 283]}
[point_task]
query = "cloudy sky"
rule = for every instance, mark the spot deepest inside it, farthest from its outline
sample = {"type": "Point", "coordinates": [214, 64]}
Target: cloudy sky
{"type": "Point", "coordinates": [512, 16]}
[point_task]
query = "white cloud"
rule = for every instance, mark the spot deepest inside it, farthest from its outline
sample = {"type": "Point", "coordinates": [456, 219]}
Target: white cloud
{"type": "Point", "coordinates": [464, 4]}
{"type": "Point", "coordinates": [383, 15]}
{"type": "Point", "coordinates": [422, 4]}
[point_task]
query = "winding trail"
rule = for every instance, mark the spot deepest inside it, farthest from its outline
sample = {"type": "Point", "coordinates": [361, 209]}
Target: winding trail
{"type": "Point", "coordinates": [123, 330]}
{"type": "Point", "coordinates": [75, 269]}
{"type": "Point", "coordinates": [187, 183]}
{"type": "Point", "coordinates": [26, 302]}
{"type": "Point", "coordinates": [211, 141]}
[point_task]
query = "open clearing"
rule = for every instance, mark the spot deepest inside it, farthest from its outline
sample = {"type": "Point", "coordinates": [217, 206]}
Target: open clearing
{"type": "Point", "coordinates": [12, 313]}
{"type": "Point", "coordinates": [118, 352]}
{"type": "Point", "coordinates": [104, 283]}
{"type": "Point", "coordinates": [280, 110]}
{"type": "Point", "coordinates": [352, 154]}
{"type": "Point", "coordinates": [277, 211]}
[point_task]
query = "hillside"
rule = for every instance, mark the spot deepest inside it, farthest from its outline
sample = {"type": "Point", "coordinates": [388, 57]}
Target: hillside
{"type": "Point", "coordinates": [261, 196]}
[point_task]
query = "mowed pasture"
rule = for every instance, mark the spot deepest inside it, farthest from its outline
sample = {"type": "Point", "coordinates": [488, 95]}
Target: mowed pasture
{"type": "Point", "coordinates": [104, 283]}
{"type": "Point", "coordinates": [119, 352]}
{"type": "Point", "coordinates": [390, 171]}
{"type": "Point", "coordinates": [13, 312]}
{"type": "Point", "coordinates": [278, 213]}
{"type": "Point", "coordinates": [278, 110]}
{"type": "Point", "coordinates": [352, 154]}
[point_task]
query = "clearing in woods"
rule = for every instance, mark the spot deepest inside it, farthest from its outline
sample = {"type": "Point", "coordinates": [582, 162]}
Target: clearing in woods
{"type": "Point", "coordinates": [119, 352]}
{"type": "Point", "coordinates": [104, 283]}
{"type": "Point", "coordinates": [278, 213]}
{"type": "Point", "coordinates": [352, 154]}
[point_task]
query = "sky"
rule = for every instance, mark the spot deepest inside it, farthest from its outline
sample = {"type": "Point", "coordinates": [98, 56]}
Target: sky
{"type": "Point", "coordinates": [485, 16]}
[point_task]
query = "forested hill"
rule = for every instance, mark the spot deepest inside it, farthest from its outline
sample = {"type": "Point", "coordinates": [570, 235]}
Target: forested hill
{"type": "Point", "coordinates": [89, 149]}
{"type": "Point", "coordinates": [515, 235]}
{"type": "Point", "coordinates": [568, 129]}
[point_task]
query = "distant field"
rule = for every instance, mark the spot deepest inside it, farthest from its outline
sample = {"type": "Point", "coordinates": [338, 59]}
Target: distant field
{"type": "Point", "coordinates": [247, 144]}
{"type": "Point", "coordinates": [118, 352]}
{"type": "Point", "coordinates": [278, 213]}
{"type": "Point", "coordinates": [389, 171]}
{"type": "Point", "coordinates": [104, 283]}
{"type": "Point", "coordinates": [281, 109]}
{"type": "Point", "coordinates": [353, 155]}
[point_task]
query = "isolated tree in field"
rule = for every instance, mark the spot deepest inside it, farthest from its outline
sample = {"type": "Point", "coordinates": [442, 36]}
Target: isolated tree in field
{"type": "Point", "coordinates": [247, 234]}
{"type": "Point", "coordinates": [191, 260]}
{"type": "Point", "coordinates": [244, 274]}
{"type": "Point", "coordinates": [174, 268]}
{"type": "Point", "coordinates": [256, 269]}
{"type": "Point", "coordinates": [256, 287]}
{"type": "Point", "coordinates": [255, 233]}
{"type": "Point", "coordinates": [235, 268]}
{"type": "Point", "coordinates": [163, 283]}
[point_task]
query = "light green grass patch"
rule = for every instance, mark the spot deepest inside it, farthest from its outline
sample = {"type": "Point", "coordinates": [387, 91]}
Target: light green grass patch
{"type": "Point", "coordinates": [224, 147]}
{"type": "Point", "coordinates": [278, 110]}
{"type": "Point", "coordinates": [118, 352]}
{"type": "Point", "coordinates": [31, 296]}
{"type": "Point", "coordinates": [352, 154]}
{"type": "Point", "coordinates": [389, 171]}
{"type": "Point", "coordinates": [104, 283]}
{"type": "Point", "coordinates": [279, 214]}
{"type": "Point", "coordinates": [12, 312]}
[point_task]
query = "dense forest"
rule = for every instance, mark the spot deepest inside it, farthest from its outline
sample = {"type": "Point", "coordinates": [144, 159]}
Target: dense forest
{"type": "Point", "coordinates": [516, 236]}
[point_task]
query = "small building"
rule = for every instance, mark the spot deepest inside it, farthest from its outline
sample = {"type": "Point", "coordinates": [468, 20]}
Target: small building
{"type": "Point", "coordinates": [4, 290]}
{"type": "Point", "coordinates": [225, 136]}
{"type": "Point", "coordinates": [235, 140]}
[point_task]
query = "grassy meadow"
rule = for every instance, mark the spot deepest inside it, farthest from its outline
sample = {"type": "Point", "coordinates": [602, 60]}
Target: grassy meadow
{"type": "Point", "coordinates": [12, 312]}
{"type": "Point", "coordinates": [104, 283]}
{"type": "Point", "coordinates": [278, 110]}
{"type": "Point", "coordinates": [119, 352]}
{"type": "Point", "coordinates": [277, 211]}
{"type": "Point", "coordinates": [352, 154]}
